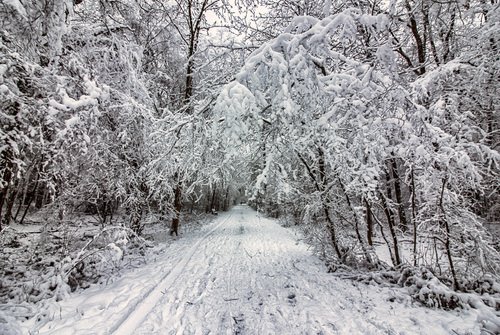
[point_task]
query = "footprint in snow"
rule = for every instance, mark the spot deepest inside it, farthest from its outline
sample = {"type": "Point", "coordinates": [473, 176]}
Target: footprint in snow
{"type": "Point", "coordinates": [292, 299]}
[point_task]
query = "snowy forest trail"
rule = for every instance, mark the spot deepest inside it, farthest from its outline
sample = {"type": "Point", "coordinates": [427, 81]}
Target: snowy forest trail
{"type": "Point", "coordinates": [242, 274]}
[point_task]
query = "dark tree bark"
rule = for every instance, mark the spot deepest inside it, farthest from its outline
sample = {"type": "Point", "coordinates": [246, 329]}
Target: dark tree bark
{"type": "Point", "coordinates": [212, 202]}
{"type": "Point", "coordinates": [414, 216]}
{"type": "Point", "coordinates": [419, 43]}
{"type": "Point", "coordinates": [226, 200]}
{"type": "Point", "coordinates": [447, 240]}
{"type": "Point", "coordinates": [174, 228]}
{"type": "Point", "coordinates": [390, 220]}
{"type": "Point", "coordinates": [194, 24]}
{"type": "Point", "coordinates": [135, 219]}
{"type": "Point", "coordinates": [398, 193]}
{"type": "Point", "coordinates": [10, 204]}
{"type": "Point", "coordinates": [329, 222]}
{"type": "Point", "coordinates": [356, 223]}
{"type": "Point", "coordinates": [369, 223]}
{"type": "Point", "coordinates": [6, 159]}
{"type": "Point", "coordinates": [31, 197]}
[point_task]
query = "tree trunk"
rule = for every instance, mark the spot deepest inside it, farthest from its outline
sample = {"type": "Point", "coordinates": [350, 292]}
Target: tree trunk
{"type": "Point", "coordinates": [195, 26]}
{"type": "Point", "coordinates": [40, 196]}
{"type": "Point", "coordinates": [25, 188]}
{"type": "Point", "coordinates": [369, 223]}
{"type": "Point", "coordinates": [174, 228]}
{"type": "Point", "coordinates": [447, 240]}
{"type": "Point", "coordinates": [356, 224]}
{"type": "Point", "coordinates": [31, 198]}
{"type": "Point", "coordinates": [189, 79]}
{"type": "Point", "coordinates": [10, 204]}
{"type": "Point", "coordinates": [390, 221]}
{"type": "Point", "coordinates": [329, 222]}
{"type": "Point", "coordinates": [212, 202]}
{"type": "Point", "coordinates": [419, 43]}
{"type": "Point", "coordinates": [322, 184]}
{"type": "Point", "coordinates": [414, 216]}
{"type": "Point", "coordinates": [3, 195]}
{"type": "Point", "coordinates": [135, 219]}
{"type": "Point", "coordinates": [399, 197]}
{"type": "Point", "coordinates": [333, 233]}
{"type": "Point", "coordinates": [428, 33]}
{"type": "Point", "coordinates": [7, 178]}
{"type": "Point", "coordinates": [226, 200]}
{"type": "Point", "coordinates": [391, 253]}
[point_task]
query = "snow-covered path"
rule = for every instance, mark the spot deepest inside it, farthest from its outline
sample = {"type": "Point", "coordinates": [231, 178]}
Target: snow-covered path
{"type": "Point", "coordinates": [242, 274]}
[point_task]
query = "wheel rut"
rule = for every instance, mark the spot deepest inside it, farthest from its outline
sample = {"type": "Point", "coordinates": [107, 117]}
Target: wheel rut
{"type": "Point", "coordinates": [138, 313]}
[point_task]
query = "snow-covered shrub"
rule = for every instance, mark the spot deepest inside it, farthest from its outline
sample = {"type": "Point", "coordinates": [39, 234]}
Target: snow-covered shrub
{"type": "Point", "coordinates": [424, 287]}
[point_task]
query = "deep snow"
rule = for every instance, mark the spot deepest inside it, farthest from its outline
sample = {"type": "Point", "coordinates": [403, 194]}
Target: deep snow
{"type": "Point", "coordinates": [242, 274]}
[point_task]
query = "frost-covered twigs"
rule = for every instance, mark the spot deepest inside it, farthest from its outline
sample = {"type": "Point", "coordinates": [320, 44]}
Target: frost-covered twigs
{"type": "Point", "coordinates": [112, 241]}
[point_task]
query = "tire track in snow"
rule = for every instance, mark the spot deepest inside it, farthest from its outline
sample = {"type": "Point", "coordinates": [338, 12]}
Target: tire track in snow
{"type": "Point", "coordinates": [246, 275]}
{"type": "Point", "coordinates": [139, 311]}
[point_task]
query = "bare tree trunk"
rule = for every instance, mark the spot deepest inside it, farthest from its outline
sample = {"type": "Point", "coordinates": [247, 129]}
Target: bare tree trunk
{"type": "Point", "coordinates": [226, 200]}
{"type": "Point", "coordinates": [369, 223]}
{"type": "Point", "coordinates": [177, 209]}
{"type": "Point", "coordinates": [419, 43]}
{"type": "Point", "coordinates": [428, 31]}
{"type": "Point", "coordinates": [194, 22]}
{"type": "Point", "coordinates": [10, 204]}
{"type": "Point", "coordinates": [356, 224]}
{"type": "Point", "coordinates": [333, 233]}
{"type": "Point", "coordinates": [31, 198]}
{"type": "Point", "coordinates": [212, 202]}
{"type": "Point", "coordinates": [322, 187]}
{"type": "Point", "coordinates": [7, 178]}
{"type": "Point", "coordinates": [135, 219]}
{"type": "Point", "coordinates": [390, 221]}
{"type": "Point", "coordinates": [391, 253]}
{"type": "Point", "coordinates": [25, 188]}
{"type": "Point", "coordinates": [397, 191]}
{"type": "Point", "coordinates": [447, 240]}
{"type": "Point", "coordinates": [329, 222]}
{"type": "Point", "coordinates": [414, 216]}
{"type": "Point", "coordinates": [40, 197]}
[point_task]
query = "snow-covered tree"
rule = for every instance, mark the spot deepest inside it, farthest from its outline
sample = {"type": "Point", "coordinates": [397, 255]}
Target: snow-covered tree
{"type": "Point", "coordinates": [332, 120]}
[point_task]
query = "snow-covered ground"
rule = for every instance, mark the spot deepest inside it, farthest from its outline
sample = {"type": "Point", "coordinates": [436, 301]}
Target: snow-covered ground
{"type": "Point", "coordinates": [242, 274]}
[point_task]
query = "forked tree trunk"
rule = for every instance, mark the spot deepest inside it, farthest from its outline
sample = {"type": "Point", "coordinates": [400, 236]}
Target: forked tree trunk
{"type": "Point", "coordinates": [391, 252]}
{"type": "Point", "coordinates": [390, 221]}
{"type": "Point", "coordinates": [356, 224]}
{"type": "Point", "coordinates": [31, 198]}
{"type": "Point", "coordinates": [329, 223]}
